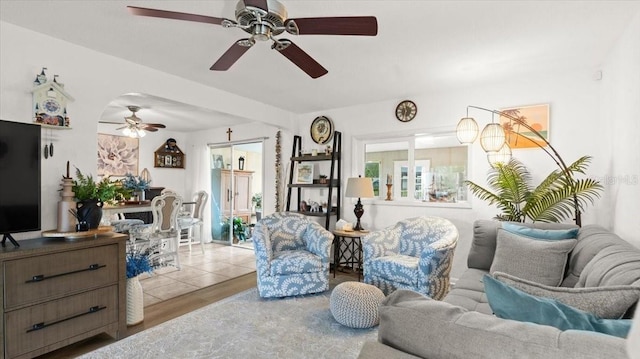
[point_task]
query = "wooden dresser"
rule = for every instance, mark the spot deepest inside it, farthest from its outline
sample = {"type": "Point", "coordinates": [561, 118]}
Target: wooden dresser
{"type": "Point", "coordinates": [56, 292]}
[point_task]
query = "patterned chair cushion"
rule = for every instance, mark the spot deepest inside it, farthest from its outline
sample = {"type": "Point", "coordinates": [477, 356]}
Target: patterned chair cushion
{"type": "Point", "coordinates": [296, 261]}
{"type": "Point", "coordinates": [398, 268]}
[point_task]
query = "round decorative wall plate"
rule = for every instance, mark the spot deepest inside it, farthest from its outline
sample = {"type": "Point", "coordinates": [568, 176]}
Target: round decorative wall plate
{"type": "Point", "coordinates": [406, 111]}
{"type": "Point", "coordinates": [321, 130]}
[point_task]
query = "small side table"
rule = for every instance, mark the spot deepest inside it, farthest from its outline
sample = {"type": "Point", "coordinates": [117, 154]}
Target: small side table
{"type": "Point", "coordinates": [353, 243]}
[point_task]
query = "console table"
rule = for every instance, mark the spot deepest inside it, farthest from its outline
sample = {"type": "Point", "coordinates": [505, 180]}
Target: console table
{"type": "Point", "coordinates": [56, 292]}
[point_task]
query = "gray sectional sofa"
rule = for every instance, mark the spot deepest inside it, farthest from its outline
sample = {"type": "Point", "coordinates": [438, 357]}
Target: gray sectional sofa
{"type": "Point", "coordinates": [462, 325]}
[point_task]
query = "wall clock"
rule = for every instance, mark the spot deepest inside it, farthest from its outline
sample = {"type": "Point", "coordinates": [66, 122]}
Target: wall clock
{"type": "Point", "coordinates": [50, 104]}
{"type": "Point", "coordinates": [406, 111]}
{"type": "Point", "coordinates": [321, 130]}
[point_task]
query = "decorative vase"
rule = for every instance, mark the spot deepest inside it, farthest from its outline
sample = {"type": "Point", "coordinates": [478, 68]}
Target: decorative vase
{"type": "Point", "coordinates": [90, 212]}
{"type": "Point", "coordinates": [141, 195]}
{"type": "Point", "coordinates": [135, 301]}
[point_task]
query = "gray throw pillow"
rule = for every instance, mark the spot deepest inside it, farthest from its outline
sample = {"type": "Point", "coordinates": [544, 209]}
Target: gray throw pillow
{"type": "Point", "coordinates": [541, 261]}
{"type": "Point", "coordinates": [605, 302]}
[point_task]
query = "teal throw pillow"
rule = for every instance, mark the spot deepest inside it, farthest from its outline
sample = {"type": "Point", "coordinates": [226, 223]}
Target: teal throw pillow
{"type": "Point", "coordinates": [511, 303]}
{"type": "Point", "coordinates": [547, 234]}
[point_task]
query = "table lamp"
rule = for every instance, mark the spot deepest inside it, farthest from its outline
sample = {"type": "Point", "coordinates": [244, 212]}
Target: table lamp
{"type": "Point", "coordinates": [361, 188]}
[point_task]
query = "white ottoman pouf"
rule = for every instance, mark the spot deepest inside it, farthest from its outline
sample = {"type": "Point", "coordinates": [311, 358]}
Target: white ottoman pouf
{"type": "Point", "coordinates": [355, 304]}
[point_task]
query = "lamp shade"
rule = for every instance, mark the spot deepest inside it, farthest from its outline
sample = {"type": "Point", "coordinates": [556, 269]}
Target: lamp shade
{"type": "Point", "coordinates": [502, 156]}
{"type": "Point", "coordinates": [492, 137]}
{"type": "Point", "coordinates": [359, 187]}
{"type": "Point", "coordinates": [467, 130]}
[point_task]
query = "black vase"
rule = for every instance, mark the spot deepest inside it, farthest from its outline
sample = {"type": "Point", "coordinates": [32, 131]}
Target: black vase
{"type": "Point", "coordinates": [90, 212]}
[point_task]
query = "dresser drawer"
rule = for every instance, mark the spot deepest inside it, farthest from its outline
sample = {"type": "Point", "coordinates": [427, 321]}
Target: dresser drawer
{"type": "Point", "coordinates": [49, 276]}
{"type": "Point", "coordinates": [51, 322]}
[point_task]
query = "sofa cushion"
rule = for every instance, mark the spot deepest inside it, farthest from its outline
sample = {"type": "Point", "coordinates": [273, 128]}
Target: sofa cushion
{"type": "Point", "coordinates": [511, 303]}
{"type": "Point", "coordinates": [434, 329]}
{"type": "Point", "coordinates": [594, 240]}
{"type": "Point", "coordinates": [537, 260]}
{"type": "Point", "coordinates": [549, 234]}
{"type": "Point", "coordinates": [468, 292]}
{"type": "Point", "coordinates": [483, 245]}
{"type": "Point", "coordinates": [605, 302]}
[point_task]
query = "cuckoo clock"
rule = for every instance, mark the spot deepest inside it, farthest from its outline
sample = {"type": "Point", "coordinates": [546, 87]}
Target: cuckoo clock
{"type": "Point", "coordinates": [50, 103]}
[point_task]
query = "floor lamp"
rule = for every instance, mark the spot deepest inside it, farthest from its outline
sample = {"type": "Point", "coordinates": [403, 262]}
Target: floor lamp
{"type": "Point", "coordinates": [359, 187]}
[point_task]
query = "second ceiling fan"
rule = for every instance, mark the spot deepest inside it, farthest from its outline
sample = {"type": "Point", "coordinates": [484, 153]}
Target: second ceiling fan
{"type": "Point", "coordinates": [264, 19]}
{"type": "Point", "coordinates": [133, 125]}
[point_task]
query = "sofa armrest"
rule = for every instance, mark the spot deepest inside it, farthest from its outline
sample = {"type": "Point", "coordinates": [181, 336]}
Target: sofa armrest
{"type": "Point", "coordinates": [432, 329]}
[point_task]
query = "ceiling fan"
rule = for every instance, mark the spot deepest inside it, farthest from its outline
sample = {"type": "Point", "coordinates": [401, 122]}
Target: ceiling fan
{"type": "Point", "coordinates": [264, 19]}
{"type": "Point", "coordinates": [133, 126]}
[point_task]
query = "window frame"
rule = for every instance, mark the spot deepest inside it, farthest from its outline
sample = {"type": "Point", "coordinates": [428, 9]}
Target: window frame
{"type": "Point", "coordinates": [358, 161]}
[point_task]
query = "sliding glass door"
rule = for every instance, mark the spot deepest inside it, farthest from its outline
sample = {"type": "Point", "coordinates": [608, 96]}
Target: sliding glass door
{"type": "Point", "coordinates": [236, 188]}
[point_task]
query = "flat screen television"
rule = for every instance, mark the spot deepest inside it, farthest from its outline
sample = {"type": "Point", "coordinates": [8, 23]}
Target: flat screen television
{"type": "Point", "coordinates": [19, 179]}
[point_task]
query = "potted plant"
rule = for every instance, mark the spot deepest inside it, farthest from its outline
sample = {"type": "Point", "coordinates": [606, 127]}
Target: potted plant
{"type": "Point", "coordinates": [551, 201]}
{"type": "Point", "coordinates": [135, 184]}
{"type": "Point", "coordinates": [90, 197]}
{"type": "Point", "coordinates": [137, 263]}
{"type": "Point", "coordinates": [239, 229]}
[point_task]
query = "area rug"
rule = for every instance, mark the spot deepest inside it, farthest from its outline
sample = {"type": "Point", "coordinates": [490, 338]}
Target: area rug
{"type": "Point", "coordinates": [246, 326]}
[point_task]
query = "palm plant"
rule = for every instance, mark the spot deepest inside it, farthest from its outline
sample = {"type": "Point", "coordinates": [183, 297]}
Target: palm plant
{"type": "Point", "coordinates": [551, 201]}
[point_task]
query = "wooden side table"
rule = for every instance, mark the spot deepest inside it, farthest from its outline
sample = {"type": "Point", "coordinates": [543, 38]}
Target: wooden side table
{"type": "Point", "coordinates": [353, 243]}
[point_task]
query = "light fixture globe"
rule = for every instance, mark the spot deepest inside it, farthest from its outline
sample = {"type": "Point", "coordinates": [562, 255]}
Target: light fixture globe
{"type": "Point", "coordinates": [492, 137]}
{"type": "Point", "coordinates": [501, 156]}
{"type": "Point", "coordinates": [467, 130]}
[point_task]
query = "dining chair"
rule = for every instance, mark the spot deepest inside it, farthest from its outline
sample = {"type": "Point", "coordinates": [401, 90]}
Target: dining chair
{"type": "Point", "coordinates": [192, 220]}
{"type": "Point", "coordinates": [163, 234]}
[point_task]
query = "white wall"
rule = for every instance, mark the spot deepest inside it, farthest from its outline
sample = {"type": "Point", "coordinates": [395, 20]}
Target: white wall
{"type": "Point", "coordinates": [94, 80]}
{"type": "Point", "coordinates": [619, 122]}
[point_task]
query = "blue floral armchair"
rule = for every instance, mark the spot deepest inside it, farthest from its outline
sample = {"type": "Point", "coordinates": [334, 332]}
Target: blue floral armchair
{"type": "Point", "coordinates": [292, 255]}
{"type": "Point", "coordinates": [415, 254]}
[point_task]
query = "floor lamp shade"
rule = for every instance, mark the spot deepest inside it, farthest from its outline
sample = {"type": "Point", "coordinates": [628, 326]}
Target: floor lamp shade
{"type": "Point", "coordinates": [503, 156]}
{"type": "Point", "coordinates": [467, 130]}
{"type": "Point", "coordinates": [492, 137]}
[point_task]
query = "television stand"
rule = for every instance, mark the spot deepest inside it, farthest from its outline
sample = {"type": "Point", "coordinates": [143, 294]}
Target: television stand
{"type": "Point", "coordinates": [6, 236]}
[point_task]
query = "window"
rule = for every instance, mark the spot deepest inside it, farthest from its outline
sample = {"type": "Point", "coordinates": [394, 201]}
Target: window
{"type": "Point", "coordinates": [421, 168]}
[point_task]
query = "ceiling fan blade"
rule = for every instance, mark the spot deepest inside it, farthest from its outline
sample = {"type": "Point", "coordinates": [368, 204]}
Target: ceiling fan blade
{"type": "Point", "coordinates": [114, 123]}
{"type": "Point", "coordinates": [260, 4]}
{"type": "Point", "coordinates": [232, 55]}
{"type": "Point", "coordinates": [121, 128]}
{"type": "Point", "coordinates": [349, 25]}
{"type": "Point", "coordinates": [300, 58]}
{"type": "Point", "coordinates": [141, 11]}
{"type": "Point", "coordinates": [158, 125]}
{"type": "Point", "coordinates": [150, 129]}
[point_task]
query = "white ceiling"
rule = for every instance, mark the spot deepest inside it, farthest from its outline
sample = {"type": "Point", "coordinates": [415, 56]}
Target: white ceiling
{"type": "Point", "coordinates": [422, 46]}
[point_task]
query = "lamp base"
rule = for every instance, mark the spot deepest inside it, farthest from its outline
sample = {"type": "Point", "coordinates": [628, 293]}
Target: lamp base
{"type": "Point", "coordinates": [358, 211]}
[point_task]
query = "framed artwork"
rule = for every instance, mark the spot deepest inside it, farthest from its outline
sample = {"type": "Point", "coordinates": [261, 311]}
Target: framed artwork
{"type": "Point", "coordinates": [536, 116]}
{"type": "Point", "coordinates": [117, 155]}
{"type": "Point", "coordinates": [304, 173]}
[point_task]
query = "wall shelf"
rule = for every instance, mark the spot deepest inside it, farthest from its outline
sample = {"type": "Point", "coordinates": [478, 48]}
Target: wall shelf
{"type": "Point", "coordinates": [333, 179]}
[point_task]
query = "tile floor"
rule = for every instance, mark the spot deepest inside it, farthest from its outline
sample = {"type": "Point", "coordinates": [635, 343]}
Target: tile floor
{"type": "Point", "coordinates": [218, 264]}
